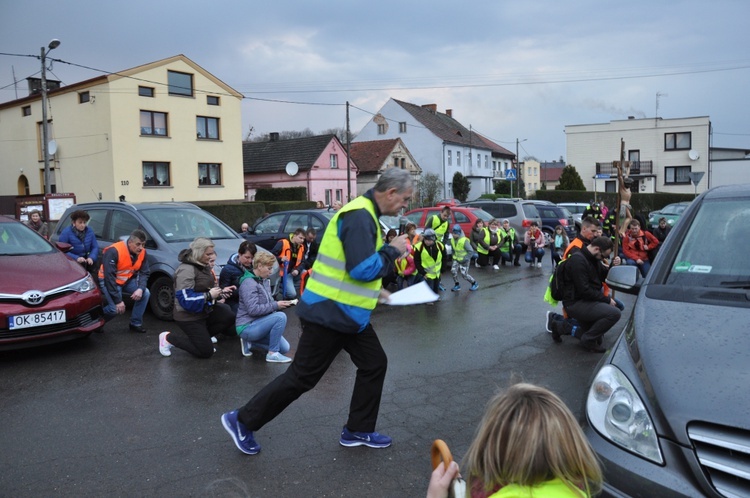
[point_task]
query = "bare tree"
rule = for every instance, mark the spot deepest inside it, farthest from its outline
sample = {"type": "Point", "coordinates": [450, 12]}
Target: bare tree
{"type": "Point", "coordinates": [430, 188]}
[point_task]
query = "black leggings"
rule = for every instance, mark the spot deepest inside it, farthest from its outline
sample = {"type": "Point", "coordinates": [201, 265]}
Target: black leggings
{"type": "Point", "coordinates": [198, 333]}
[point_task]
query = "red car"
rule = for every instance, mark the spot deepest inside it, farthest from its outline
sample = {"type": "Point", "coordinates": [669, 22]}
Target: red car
{"type": "Point", "coordinates": [45, 297]}
{"type": "Point", "coordinates": [464, 216]}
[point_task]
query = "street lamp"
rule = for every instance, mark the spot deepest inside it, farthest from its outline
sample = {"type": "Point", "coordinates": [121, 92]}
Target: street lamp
{"type": "Point", "coordinates": [518, 168]}
{"type": "Point", "coordinates": [45, 131]}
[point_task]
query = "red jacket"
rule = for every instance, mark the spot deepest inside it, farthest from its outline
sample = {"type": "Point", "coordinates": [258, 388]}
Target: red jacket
{"type": "Point", "coordinates": [637, 247]}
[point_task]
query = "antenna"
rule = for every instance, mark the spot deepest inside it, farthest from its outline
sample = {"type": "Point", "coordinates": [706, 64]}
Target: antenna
{"type": "Point", "coordinates": [658, 94]}
{"type": "Point", "coordinates": [15, 83]}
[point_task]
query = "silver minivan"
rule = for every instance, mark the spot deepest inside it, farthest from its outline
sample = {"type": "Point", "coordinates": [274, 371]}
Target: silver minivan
{"type": "Point", "coordinates": [519, 215]}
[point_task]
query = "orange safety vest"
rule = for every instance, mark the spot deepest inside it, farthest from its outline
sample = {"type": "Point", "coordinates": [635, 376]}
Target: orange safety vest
{"type": "Point", "coordinates": [303, 280]}
{"type": "Point", "coordinates": [286, 255]}
{"type": "Point", "coordinates": [125, 267]}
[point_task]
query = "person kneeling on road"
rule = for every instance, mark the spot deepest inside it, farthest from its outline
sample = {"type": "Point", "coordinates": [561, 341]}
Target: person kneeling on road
{"type": "Point", "coordinates": [125, 269]}
{"type": "Point", "coordinates": [584, 299]}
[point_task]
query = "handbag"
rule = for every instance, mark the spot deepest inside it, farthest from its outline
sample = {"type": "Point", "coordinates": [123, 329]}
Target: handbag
{"type": "Point", "coordinates": [440, 452]}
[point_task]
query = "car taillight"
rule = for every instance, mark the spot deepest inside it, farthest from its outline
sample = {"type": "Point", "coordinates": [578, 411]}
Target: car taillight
{"type": "Point", "coordinates": [564, 222]}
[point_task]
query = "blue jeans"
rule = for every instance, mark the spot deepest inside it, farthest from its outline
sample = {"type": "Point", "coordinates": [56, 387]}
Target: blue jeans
{"type": "Point", "coordinates": [139, 307]}
{"type": "Point", "coordinates": [266, 332]}
{"type": "Point", "coordinates": [644, 268]}
{"type": "Point", "coordinates": [291, 284]}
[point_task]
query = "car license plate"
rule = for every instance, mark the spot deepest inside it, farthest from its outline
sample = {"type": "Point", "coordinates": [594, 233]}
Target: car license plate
{"type": "Point", "coordinates": [36, 319]}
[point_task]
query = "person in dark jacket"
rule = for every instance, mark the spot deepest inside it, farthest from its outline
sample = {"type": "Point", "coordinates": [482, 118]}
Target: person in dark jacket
{"type": "Point", "coordinates": [236, 267]}
{"type": "Point", "coordinates": [311, 247]}
{"type": "Point", "coordinates": [584, 298]}
{"type": "Point", "coordinates": [197, 307]}
{"type": "Point", "coordinates": [84, 248]}
{"type": "Point", "coordinates": [334, 313]}
{"type": "Point", "coordinates": [125, 269]}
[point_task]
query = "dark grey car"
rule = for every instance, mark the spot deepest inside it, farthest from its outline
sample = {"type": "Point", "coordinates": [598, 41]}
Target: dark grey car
{"type": "Point", "coordinates": [170, 227]}
{"type": "Point", "coordinates": [668, 409]}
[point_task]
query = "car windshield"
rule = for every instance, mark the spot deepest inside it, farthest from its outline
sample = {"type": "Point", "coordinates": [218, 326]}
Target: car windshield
{"type": "Point", "coordinates": [183, 225]}
{"type": "Point", "coordinates": [673, 209]}
{"type": "Point", "coordinates": [391, 221]}
{"type": "Point", "coordinates": [708, 255]}
{"type": "Point", "coordinates": [482, 214]}
{"type": "Point", "coordinates": [19, 240]}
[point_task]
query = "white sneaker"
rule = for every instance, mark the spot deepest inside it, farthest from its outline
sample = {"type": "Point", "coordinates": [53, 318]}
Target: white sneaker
{"type": "Point", "coordinates": [277, 357]}
{"type": "Point", "coordinates": [245, 347]}
{"type": "Point", "coordinates": [538, 265]}
{"type": "Point", "coordinates": [495, 267]}
{"type": "Point", "coordinates": [165, 348]}
{"type": "Point", "coordinates": [476, 264]}
{"type": "Point", "coordinates": [214, 340]}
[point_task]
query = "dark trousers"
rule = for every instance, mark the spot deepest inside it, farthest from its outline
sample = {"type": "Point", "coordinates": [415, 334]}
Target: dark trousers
{"type": "Point", "coordinates": [491, 258]}
{"type": "Point", "coordinates": [318, 347]}
{"type": "Point", "coordinates": [198, 333]}
{"type": "Point", "coordinates": [594, 317]}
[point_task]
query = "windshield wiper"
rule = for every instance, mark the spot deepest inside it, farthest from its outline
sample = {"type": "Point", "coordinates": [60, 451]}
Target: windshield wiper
{"type": "Point", "coordinates": [736, 284]}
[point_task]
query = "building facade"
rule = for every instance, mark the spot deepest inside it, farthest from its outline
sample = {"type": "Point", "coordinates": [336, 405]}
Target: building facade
{"type": "Point", "coordinates": [164, 131]}
{"type": "Point", "coordinates": [662, 153]}
{"type": "Point", "coordinates": [440, 145]}
{"type": "Point", "coordinates": [373, 158]}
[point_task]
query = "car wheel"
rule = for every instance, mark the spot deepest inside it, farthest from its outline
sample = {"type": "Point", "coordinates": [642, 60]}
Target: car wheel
{"type": "Point", "coordinates": [162, 298]}
{"type": "Point", "coordinates": [549, 238]}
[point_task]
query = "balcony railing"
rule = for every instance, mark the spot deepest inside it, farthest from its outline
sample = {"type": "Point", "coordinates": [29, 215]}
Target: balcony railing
{"type": "Point", "coordinates": [636, 168]}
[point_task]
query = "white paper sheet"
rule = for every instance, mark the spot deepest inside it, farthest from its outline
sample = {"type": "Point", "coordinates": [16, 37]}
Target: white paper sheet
{"type": "Point", "coordinates": [414, 294]}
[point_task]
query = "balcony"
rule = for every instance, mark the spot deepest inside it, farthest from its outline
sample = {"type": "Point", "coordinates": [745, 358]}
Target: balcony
{"type": "Point", "coordinates": [636, 168]}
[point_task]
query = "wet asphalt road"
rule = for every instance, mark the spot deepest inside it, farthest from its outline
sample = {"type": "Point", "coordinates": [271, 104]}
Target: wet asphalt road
{"type": "Point", "coordinates": [110, 415]}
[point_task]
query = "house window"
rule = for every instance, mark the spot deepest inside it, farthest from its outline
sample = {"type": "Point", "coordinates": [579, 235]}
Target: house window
{"type": "Point", "coordinates": [402, 127]}
{"type": "Point", "coordinates": [677, 141]}
{"type": "Point", "coordinates": [403, 163]}
{"type": "Point", "coordinates": [677, 175]}
{"type": "Point", "coordinates": [458, 158]}
{"type": "Point", "coordinates": [26, 110]}
{"type": "Point", "coordinates": [209, 174]}
{"type": "Point", "coordinates": [145, 91]}
{"type": "Point", "coordinates": [156, 174]}
{"type": "Point", "coordinates": [395, 162]}
{"type": "Point", "coordinates": [154, 123]}
{"type": "Point", "coordinates": [486, 162]}
{"type": "Point", "coordinates": [212, 100]}
{"type": "Point", "coordinates": [329, 197]}
{"type": "Point", "coordinates": [382, 129]}
{"type": "Point", "coordinates": [334, 160]}
{"type": "Point", "coordinates": [339, 195]}
{"type": "Point", "coordinates": [180, 83]}
{"type": "Point", "coordinates": [479, 160]}
{"type": "Point", "coordinates": [208, 128]}
{"type": "Point", "coordinates": [84, 97]}
{"type": "Point", "coordinates": [450, 157]}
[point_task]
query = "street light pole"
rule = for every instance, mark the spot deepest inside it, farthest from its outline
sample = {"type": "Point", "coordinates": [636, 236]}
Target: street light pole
{"type": "Point", "coordinates": [45, 129]}
{"type": "Point", "coordinates": [518, 168]}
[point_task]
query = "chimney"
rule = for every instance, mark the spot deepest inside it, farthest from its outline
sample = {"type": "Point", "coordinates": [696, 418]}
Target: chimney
{"type": "Point", "coordinates": [430, 107]}
{"type": "Point", "coordinates": [449, 112]}
{"type": "Point", "coordinates": [631, 117]}
{"type": "Point", "coordinates": [35, 85]}
{"type": "Point", "coordinates": [273, 136]}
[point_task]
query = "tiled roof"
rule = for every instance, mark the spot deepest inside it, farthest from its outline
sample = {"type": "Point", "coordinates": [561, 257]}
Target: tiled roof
{"type": "Point", "coordinates": [370, 156]}
{"type": "Point", "coordinates": [550, 174]}
{"type": "Point", "coordinates": [448, 129]}
{"type": "Point", "coordinates": [265, 157]}
{"type": "Point", "coordinates": [496, 148]}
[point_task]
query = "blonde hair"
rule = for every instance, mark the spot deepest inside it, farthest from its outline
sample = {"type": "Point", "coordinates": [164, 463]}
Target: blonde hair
{"type": "Point", "coordinates": [198, 248]}
{"type": "Point", "coordinates": [528, 436]}
{"type": "Point", "coordinates": [263, 259]}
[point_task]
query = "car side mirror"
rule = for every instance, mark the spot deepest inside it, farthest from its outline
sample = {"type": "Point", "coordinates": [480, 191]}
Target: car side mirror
{"type": "Point", "coordinates": [624, 278]}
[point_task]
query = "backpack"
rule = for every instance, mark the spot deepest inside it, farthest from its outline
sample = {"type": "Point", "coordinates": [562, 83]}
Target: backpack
{"type": "Point", "coordinates": [557, 281]}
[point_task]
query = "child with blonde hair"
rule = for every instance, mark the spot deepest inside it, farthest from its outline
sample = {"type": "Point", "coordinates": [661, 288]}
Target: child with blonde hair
{"type": "Point", "coordinates": [527, 444]}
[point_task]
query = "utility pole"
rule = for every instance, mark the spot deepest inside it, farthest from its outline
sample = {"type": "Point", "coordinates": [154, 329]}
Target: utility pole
{"type": "Point", "coordinates": [45, 127]}
{"type": "Point", "coordinates": [348, 165]}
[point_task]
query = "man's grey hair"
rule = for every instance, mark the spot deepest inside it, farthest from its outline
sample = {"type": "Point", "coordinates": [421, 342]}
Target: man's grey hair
{"type": "Point", "coordinates": [138, 234]}
{"type": "Point", "coordinates": [397, 178]}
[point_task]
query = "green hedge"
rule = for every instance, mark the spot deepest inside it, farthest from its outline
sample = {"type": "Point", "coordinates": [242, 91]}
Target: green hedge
{"type": "Point", "coordinates": [281, 194]}
{"type": "Point", "coordinates": [235, 214]}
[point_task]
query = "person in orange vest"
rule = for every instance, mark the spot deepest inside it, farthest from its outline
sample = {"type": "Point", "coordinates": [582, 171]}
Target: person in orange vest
{"type": "Point", "coordinates": [125, 270]}
{"type": "Point", "coordinates": [291, 256]}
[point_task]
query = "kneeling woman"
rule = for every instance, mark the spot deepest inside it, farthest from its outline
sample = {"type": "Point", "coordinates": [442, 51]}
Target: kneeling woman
{"type": "Point", "coordinates": [259, 322]}
{"type": "Point", "coordinates": [198, 309]}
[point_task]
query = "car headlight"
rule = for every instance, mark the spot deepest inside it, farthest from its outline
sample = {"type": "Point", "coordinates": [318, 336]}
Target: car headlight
{"type": "Point", "coordinates": [84, 285]}
{"type": "Point", "coordinates": [617, 413]}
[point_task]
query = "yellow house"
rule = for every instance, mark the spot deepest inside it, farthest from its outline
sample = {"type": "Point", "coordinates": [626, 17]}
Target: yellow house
{"type": "Point", "coordinates": [164, 131]}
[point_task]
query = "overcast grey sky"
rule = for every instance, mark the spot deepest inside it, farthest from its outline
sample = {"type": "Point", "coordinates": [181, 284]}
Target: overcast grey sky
{"type": "Point", "coordinates": [510, 69]}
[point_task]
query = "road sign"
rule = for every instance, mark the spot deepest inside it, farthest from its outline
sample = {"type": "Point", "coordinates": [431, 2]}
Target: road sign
{"type": "Point", "coordinates": [510, 175]}
{"type": "Point", "coordinates": [696, 176]}
{"type": "Point", "coordinates": [602, 176]}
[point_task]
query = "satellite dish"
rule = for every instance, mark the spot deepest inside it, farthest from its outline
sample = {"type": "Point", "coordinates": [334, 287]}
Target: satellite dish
{"type": "Point", "coordinates": [693, 154]}
{"type": "Point", "coordinates": [52, 147]}
{"type": "Point", "coordinates": [291, 168]}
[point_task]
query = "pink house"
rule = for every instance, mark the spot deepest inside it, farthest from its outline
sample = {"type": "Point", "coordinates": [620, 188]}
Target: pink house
{"type": "Point", "coordinates": [317, 163]}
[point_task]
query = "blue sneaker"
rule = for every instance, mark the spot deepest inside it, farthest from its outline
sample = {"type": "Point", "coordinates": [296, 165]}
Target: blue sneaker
{"type": "Point", "coordinates": [474, 286]}
{"type": "Point", "coordinates": [441, 287]}
{"type": "Point", "coordinates": [371, 439]}
{"type": "Point", "coordinates": [245, 345]}
{"type": "Point", "coordinates": [456, 288]}
{"type": "Point", "coordinates": [241, 436]}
